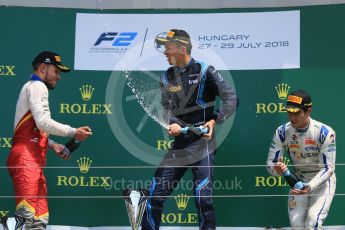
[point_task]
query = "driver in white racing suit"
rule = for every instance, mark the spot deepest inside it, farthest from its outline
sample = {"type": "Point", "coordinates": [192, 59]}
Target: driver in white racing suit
{"type": "Point", "coordinates": [32, 126]}
{"type": "Point", "coordinates": [311, 146]}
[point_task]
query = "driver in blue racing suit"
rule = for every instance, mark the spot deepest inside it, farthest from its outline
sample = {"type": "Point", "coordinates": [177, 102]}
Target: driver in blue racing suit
{"type": "Point", "coordinates": [189, 89]}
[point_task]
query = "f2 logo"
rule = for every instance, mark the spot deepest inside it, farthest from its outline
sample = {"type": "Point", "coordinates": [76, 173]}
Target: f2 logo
{"type": "Point", "coordinates": [121, 39]}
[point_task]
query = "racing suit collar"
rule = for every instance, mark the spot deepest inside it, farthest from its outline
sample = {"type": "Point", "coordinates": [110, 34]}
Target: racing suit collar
{"type": "Point", "coordinates": [181, 70]}
{"type": "Point", "coordinates": [303, 130]}
{"type": "Point", "coordinates": [34, 77]}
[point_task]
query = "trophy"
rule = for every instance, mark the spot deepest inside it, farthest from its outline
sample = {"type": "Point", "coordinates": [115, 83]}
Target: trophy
{"type": "Point", "coordinates": [135, 203]}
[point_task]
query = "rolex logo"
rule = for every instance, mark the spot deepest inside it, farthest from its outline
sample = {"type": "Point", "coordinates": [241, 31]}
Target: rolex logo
{"type": "Point", "coordinates": [81, 181]}
{"type": "Point", "coordinates": [282, 90]}
{"type": "Point", "coordinates": [84, 164]}
{"type": "Point", "coordinates": [86, 92]}
{"type": "Point", "coordinates": [272, 181]}
{"type": "Point", "coordinates": [182, 201]}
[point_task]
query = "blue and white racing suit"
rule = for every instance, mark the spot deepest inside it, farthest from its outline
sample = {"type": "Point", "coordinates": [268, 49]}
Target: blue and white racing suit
{"type": "Point", "coordinates": [312, 151]}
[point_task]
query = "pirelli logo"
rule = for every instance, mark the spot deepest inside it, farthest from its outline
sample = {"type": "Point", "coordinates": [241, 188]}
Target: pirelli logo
{"type": "Point", "coordinates": [58, 58]}
{"type": "Point", "coordinates": [295, 99]}
{"type": "Point", "coordinates": [170, 34]}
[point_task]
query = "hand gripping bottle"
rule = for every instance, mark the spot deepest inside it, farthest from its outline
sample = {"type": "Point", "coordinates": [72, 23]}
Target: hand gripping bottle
{"type": "Point", "coordinates": [72, 144]}
{"type": "Point", "coordinates": [293, 180]}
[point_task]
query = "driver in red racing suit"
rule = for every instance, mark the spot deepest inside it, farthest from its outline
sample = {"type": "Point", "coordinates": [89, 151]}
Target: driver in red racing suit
{"type": "Point", "coordinates": [32, 126]}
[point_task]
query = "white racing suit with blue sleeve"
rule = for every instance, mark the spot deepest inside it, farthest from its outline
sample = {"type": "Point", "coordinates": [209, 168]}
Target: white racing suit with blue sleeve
{"type": "Point", "coordinates": [312, 152]}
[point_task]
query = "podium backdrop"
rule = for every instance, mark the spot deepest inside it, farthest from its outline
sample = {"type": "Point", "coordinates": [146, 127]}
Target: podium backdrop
{"type": "Point", "coordinates": [127, 144]}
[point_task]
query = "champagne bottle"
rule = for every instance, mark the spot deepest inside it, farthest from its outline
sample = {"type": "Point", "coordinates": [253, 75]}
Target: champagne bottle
{"type": "Point", "coordinates": [199, 131]}
{"type": "Point", "coordinates": [293, 180]}
{"type": "Point", "coordinates": [72, 144]}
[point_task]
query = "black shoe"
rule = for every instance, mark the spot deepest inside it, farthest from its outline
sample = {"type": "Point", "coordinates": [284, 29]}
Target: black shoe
{"type": "Point", "coordinates": [3, 221]}
{"type": "Point", "coordinates": [20, 221]}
